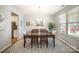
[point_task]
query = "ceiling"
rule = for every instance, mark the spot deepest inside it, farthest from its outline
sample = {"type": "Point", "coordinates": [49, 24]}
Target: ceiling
{"type": "Point", "coordinates": [39, 9]}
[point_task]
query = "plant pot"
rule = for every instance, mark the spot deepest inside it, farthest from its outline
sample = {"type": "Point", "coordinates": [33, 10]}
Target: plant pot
{"type": "Point", "coordinates": [50, 30]}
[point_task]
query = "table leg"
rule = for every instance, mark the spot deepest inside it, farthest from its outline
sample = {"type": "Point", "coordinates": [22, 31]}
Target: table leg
{"type": "Point", "coordinates": [47, 43]}
{"type": "Point", "coordinates": [54, 41]}
{"type": "Point", "coordinates": [24, 41]}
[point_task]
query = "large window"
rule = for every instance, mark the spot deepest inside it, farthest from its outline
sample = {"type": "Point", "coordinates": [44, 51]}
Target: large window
{"type": "Point", "coordinates": [62, 23]}
{"type": "Point", "coordinates": [73, 22]}
{"type": "Point", "coordinates": [69, 22]}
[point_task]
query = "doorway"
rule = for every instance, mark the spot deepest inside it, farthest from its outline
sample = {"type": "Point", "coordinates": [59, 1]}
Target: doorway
{"type": "Point", "coordinates": [14, 26]}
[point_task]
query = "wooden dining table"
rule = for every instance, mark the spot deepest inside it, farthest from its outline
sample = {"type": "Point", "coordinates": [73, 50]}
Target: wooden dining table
{"type": "Point", "coordinates": [28, 35]}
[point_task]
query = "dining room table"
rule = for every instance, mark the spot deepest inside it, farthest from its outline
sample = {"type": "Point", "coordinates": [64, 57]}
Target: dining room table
{"type": "Point", "coordinates": [49, 34]}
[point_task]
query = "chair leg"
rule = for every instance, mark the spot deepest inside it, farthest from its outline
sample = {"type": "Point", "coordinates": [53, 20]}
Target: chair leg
{"type": "Point", "coordinates": [41, 44]}
{"type": "Point", "coordinates": [24, 44]}
{"type": "Point", "coordinates": [37, 45]}
{"type": "Point", "coordinates": [47, 43]}
{"type": "Point", "coordinates": [31, 44]}
{"type": "Point", "coordinates": [24, 41]}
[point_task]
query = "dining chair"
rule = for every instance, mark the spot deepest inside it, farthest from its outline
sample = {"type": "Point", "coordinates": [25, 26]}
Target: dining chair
{"type": "Point", "coordinates": [35, 30]}
{"type": "Point", "coordinates": [43, 38]}
{"type": "Point", "coordinates": [34, 37]}
{"type": "Point", "coordinates": [42, 30]}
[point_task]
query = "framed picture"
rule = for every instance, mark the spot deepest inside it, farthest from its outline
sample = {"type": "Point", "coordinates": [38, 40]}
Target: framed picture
{"type": "Point", "coordinates": [28, 23]}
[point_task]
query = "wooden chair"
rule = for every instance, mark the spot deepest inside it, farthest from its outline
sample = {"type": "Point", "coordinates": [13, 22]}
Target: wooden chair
{"type": "Point", "coordinates": [43, 38]}
{"type": "Point", "coordinates": [34, 37]}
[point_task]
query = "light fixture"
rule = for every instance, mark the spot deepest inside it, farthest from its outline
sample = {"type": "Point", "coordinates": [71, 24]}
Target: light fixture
{"type": "Point", "coordinates": [62, 5]}
{"type": "Point", "coordinates": [38, 6]}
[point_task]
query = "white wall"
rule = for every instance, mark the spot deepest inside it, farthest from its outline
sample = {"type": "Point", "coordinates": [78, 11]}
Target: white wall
{"type": "Point", "coordinates": [5, 26]}
{"type": "Point", "coordinates": [21, 26]}
{"type": "Point", "coordinates": [45, 18]}
{"type": "Point", "coordinates": [5, 30]}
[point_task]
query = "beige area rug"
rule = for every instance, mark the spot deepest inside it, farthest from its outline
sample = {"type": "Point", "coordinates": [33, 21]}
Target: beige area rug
{"type": "Point", "coordinates": [18, 48]}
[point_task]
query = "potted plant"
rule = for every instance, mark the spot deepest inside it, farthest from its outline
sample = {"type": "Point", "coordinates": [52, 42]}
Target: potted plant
{"type": "Point", "coordinates": [51, 26]}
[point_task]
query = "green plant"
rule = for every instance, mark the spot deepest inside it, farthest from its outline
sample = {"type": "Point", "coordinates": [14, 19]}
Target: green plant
{"type": "Point", "coordinates": [51, 26]}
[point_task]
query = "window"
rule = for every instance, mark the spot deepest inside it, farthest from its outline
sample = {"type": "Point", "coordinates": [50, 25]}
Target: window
{"type": "Point", "coordinates": [62, 23]}
{"type": "Point", "coordinates": [69, 22]}
{"type": "Point", "coordinates": [73, 22]}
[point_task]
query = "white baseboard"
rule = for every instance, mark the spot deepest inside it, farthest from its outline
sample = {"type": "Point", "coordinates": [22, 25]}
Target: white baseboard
{"type": "Point", "coordinates": [5, 47]}
{"type": "Point", "coordinates": [74, 48]}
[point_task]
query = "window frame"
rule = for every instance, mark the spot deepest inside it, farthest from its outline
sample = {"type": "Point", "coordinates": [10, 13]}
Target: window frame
{"type": "Point", "coordinates": [67, 20]}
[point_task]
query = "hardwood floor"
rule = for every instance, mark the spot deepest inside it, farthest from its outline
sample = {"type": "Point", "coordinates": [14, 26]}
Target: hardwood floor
{"type": "Point", "coordinates": [60, 48]}
{"type": "Point", "coordinates": [14, 41]}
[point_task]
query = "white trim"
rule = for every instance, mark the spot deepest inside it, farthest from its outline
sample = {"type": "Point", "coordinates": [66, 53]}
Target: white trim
{"type": "Point", "coordinates": [5, 47]}
{"type": "Point", "coordinates": [74, 48]}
